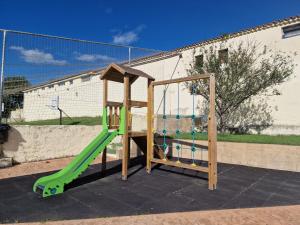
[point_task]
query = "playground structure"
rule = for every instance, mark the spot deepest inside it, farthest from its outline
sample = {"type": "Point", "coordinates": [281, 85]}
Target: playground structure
{"type": "Point", "coordinates": [116, 120]}
{"type": "Point", "coordinates": [211, 167]}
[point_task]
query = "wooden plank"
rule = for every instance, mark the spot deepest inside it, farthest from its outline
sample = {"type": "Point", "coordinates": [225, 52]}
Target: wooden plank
{"type": "Point", "coordinates": [105, 92]}
{"type": "Point", "coordinates": [183, 79]}
{"type": "Point", "coordinates": [114, 104]}
{"type": "Point", "coordinates": [150, 127]}
{"type": "Point", "coordinates": [138, 104]}
{"type": "Point", "coordinates": [129, 107]}
{"type": "Point", "coordinates": [125, 135]}
{"type": "Point", "coordinates": [104, 154]}
{"type": "Point", "coordinates": [212, 137]}
{"type": "Point", "coordinates": [110, 116]}
{"type": "Point", "coordinates": [180, 165]}
{"type": "Point", "coordinates": [117, 113]}
{"type": "Point", "coordinates": [137, 133]}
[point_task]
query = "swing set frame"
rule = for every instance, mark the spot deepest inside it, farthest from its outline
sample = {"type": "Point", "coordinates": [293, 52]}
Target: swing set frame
{"type": "Point", "coordinates": [211, 169]}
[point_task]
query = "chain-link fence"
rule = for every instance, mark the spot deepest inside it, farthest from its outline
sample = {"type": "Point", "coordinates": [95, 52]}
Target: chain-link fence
{"type": "Point", "coordinates": [46, 77]}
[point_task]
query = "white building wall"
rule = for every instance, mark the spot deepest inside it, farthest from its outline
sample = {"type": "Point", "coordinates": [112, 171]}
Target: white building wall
{"type": "Point", "coordinates": [76, 100]}
{"type": "Point", "coordinates": [85, 99]}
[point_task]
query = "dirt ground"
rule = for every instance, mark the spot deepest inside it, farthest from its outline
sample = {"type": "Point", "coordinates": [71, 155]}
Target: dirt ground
{"type": "Point", "coordinates": [279, 215]}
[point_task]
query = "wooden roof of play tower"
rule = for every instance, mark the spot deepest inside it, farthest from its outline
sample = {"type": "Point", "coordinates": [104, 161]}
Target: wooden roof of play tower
{"type": "Point", "coordinates": [116, 72]}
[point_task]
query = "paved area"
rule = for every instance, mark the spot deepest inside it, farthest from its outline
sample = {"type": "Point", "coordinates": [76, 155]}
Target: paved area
{"type": "Point", "coordinates": [167, 191]}
{"type": "Point", "coordinates": [279, 215]}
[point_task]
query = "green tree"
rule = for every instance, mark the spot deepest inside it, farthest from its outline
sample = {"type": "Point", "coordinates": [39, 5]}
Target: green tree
{"type": "Point", "coordinates": [13, 96]}
{"type": "Point", "coordinates": [245, 75]}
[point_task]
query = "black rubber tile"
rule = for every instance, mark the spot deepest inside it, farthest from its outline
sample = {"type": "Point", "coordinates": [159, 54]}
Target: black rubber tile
{"type": "Point", "coordinates": [166, 204]}
{"type": "Point", "coordinates": [215, 199]}
{"type": "Point", "coordinates": [65, 212]}
{"type": "Point", "coordinates": [281, 200]}
{"type": "Point", "coordinates": [165, 190]}
{"type": "Point", "coordinates": [8, 190]}
{"type": "Point", "coordinates": [149, 190]}
{"type": "Point", "coordinates": [131, 199]}
{"type": "Point", "coordinates": [243, 201]}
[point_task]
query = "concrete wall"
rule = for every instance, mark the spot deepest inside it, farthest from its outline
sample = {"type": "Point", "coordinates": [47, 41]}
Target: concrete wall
{"type": "Point", "coordinates": [279, 157]}
{"type": "Point", "coordinates": [34, 143]}
{"type": "Point", "coordinates": [16, 115]}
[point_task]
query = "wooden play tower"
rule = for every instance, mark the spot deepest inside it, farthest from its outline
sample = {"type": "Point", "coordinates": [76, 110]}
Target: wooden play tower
{"type": "Point", "coordinates": [127, 76]}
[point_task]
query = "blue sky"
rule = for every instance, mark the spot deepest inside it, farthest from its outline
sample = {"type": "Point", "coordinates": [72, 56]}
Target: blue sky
{"type": "Point", "coordinates": [154, 24]}
{"type": "Point", "coordinates": [161, 25]}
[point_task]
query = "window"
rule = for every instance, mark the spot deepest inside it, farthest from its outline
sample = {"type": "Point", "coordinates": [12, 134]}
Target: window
{"type": "Point", "coordinates": [61, 84]}
{"type": "Point", "coordinates": [70, 82]}
{"type": "Point", "coordinates": [291, 31]}
{"type": "Point", "coordinates": [199, 60]}
{"type": "Point", "coordinates": [86, 78]}
{"type": "Point", "coordinates": [223, 55]}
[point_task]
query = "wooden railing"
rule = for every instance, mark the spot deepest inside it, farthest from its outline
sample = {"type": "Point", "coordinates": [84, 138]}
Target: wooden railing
{"type": "Point", "coordinates": [114, 109]}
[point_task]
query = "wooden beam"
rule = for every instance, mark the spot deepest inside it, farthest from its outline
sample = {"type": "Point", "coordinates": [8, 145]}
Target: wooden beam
{"type": "Point", "coordinates": [125, 135]}
{"type": "Point", "coordinates": [183, 79]}
{"type": "Point", "coordinates": [212, 137]}
{"type": "Point", "coordinates": [180, 165]}
{"type": "Point", "coordinates": [150, 121]}
{"type": "Point", "coordinates": [114, 104]}
{"type": "Point", "coordinates": [110, 116]}
{"type": "Point", "coordinates": [105, 92]}
{"type": "Point", "coordinates": [129, 116]}
{"type": "Point", "coordinates": [138, 104]}
{"type": "Point", "coordinates": [137, 133]}
{"type": "Point", "coordinates": [104, 154]}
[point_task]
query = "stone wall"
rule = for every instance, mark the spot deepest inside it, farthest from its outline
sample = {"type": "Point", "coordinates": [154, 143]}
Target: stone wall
{"type": "Point", "coordinates": [34, 143]}
{"type": "Point", "coordinates": [279, 157]}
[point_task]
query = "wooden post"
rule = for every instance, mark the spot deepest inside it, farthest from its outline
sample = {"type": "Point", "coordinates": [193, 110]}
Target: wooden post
{"type": "Point", "coordinates": [212, 137]}
{"type": "Point", "coordinates": [125, 136]}
{"type": "Point", "coordinates": [104, 154]}
{"type": "Point", "coordinates": [150, 126]}
{"type": "Point", "coordinates": [129, 122]}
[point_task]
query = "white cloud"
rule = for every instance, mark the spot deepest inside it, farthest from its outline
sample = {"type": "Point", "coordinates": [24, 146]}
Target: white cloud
{"type": "Point", "coordinates": [93, 58]}
{"type": "Point", "coordinates": [126, 38]}
{"type": "Point", "coordinates": [37, 56]}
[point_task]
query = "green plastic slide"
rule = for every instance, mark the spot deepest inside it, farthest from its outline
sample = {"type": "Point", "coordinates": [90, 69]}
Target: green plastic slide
{"type": "Point", "coordinates": [54, 184]}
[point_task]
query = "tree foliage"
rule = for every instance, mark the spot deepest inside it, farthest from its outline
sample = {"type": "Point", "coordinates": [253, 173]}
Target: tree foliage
{"type": "Point", "coordinates": [12, 93]}
{"type": "Point", "coordinates": [248, 71]}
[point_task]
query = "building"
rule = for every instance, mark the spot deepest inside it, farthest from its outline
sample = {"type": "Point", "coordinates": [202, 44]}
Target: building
{"type": "Point", "coordinates": [81, 94]}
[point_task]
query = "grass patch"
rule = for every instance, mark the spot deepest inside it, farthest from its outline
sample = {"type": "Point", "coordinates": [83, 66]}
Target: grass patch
{"type": "Point", "coordinates": [65, 121]}
{"type": "Point", "coordinates": [245, 138]}
{"type": "Point", "coordinates": [250, 138]}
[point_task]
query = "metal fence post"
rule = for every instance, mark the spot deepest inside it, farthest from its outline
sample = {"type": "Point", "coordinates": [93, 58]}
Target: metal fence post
{"type": "Point", "coordinates": [2, 73]}
{"type": "Point", "coordinates": [129, 56]}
